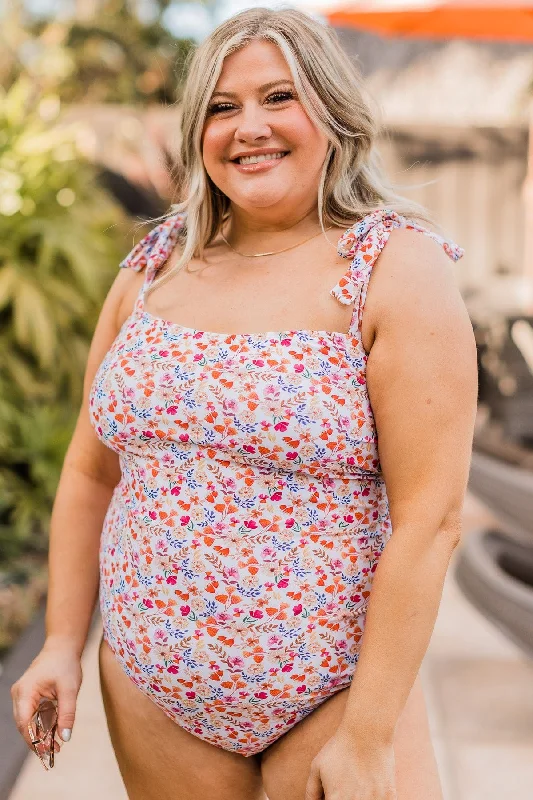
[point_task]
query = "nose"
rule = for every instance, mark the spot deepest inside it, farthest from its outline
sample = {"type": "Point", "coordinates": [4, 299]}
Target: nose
{"type": "Point", "coordinates": [252, 124]}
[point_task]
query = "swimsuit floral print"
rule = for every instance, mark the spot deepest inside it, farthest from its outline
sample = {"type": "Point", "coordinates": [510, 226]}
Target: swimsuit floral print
{"type": "Point", "coordinates": [239, 547]}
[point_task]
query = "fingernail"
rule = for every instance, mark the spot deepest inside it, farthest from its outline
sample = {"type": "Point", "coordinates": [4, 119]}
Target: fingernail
{"type": "Point", "coordinates": [65, 734]}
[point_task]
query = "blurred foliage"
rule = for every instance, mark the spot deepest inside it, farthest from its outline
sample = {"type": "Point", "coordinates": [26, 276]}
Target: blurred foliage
{"type": "Point", "coordinates": [61, 234]}
{"type": "Point", "coordinates": [103, 54]}
{"type": "Point", "coordinates": [60, 241]}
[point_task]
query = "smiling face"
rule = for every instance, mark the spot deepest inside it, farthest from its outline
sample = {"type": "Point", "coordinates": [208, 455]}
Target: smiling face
{"type": "Point", "coordinates": [259, 146]}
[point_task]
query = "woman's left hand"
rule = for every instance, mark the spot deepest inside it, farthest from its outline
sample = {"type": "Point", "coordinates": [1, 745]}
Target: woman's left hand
{"type": "Point", "coordinates": [344, 771]}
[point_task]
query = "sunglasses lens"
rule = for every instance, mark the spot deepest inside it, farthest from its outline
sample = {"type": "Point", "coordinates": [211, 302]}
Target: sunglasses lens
{"type": "Point", "coordinates": [48, 717]}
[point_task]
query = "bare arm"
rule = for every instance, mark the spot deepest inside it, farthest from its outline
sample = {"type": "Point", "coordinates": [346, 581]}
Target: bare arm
{"type": "Point", "coordinates": [422, 381]}
{"type": "Point", "coordinates": [90, 473]}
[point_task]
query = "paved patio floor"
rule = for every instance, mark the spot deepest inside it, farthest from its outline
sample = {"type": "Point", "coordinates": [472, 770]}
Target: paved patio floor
{"type": "Point", "coordinates": [478, 686]}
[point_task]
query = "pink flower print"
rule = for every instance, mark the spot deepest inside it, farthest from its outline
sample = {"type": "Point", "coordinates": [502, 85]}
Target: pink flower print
{"type": "Point", "coordinates": [152, 515]}
{"type": "Point", "coordinates": [283, 583]}
{"type": "Point", "coordinates": [348, 518]}
{"type": "Point", "coordinates": [248, 448]}
{"type": "Point", "coordinates": [172, 410]}
{"type": "Point", "coordinates": [148, 434]}
{"type": "Point", "coordinates": [251, 524]}
{"type": "Point", "coordinates": [258, 362]}
{"type": "Point", "coordinates": [160, 635]}
{"type": "Point", "coordinates": [365, 492]}
{"type": "Point", "coordinates": [301, 688]}
{"type": "Point", "coordinates": [148, 603]}
{"type": "Point", "coordinates": [173, 668]}
{"type": "Point", "coordinates": [274, 642]}
{"type": "Point", "coordinates": [175, 490]}
{"type": "Point", "coordinates": [229, 699]}
{"type": "Point", "coordinates": [256, 613]}
{"type": "Point", "coordinates": [261, 695]}
{"type": "Point", "coordinates": [344, 423]}
{"type": "Point", "coordinates": [281, 426]}
{"type": "Point", "coordinates": [290, 522]}
{"type": "Point", "coordinates": [276, 496]}
{"type": "Point", "coordinates": [184, 437]}
{"type": "Point", "coordinates": [171, 580]}
{"type": "Point", "coordinates": [222, 617]}
{"type": "Point", "coordinates": [185, 610]}
{"type": "Point", "coordinates": [269, 554]}
{"type": "Point", "coordinates": [287, 668]}
{"type": "Point", "coordinates": [299, 367]}
{"type": "Point", "coordinates": [230, 574]}
{"type": "Point", "coordinates": [341, 644]}
{"type": "Point", "coordinates": [355, 598]}
{"type": "Point", "coordinates": [235, 663]}
{"type": "Point", "coordinates": [185, 520]}
{"type": "Point", "coordinates": [336, 565]}
{"type": "Point", "coordinates": [291, 455]}
{"type": "Point", "coordinates": [285, 342]}
{"type": "Point", "coordinates": [271, 391]}
{"type": "Point", "coordinates": [297, 609]}
{"type": "Point", "coordinates": [229, 405]}
{"type": "Point", "coordinates": [330, 607]}
{"type": "Point", "coordinates": [155, 687]}
{"type": "Point", "coordinates": [190, 695]}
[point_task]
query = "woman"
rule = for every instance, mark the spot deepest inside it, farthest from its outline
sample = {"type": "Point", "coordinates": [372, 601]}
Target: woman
{"type": "Point", "coordinates": [228, 447]}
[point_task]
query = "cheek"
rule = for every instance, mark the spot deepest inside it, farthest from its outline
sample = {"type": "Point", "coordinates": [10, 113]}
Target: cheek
{"type": "Point", "coordinates": [214, 144]}
{"type": "Point", "coordinates": [310, 142]}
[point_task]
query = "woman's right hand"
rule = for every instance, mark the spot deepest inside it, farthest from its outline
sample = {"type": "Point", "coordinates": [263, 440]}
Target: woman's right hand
{"type": "Point", "coordinates": [56, 674]}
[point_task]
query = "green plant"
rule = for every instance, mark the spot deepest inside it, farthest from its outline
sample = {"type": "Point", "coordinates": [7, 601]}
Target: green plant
{"type": "Point", "coordinates": [60, 240]}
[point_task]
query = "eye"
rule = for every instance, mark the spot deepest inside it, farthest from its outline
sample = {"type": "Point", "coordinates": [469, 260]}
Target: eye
{"type": "Point", "coordinates": [281, 97]}
{"type": "Point", "coordinates": [217, 108]}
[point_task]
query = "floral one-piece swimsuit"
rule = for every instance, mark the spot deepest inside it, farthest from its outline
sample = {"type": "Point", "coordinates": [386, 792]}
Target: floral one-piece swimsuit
{"type": "Point", "coordinates": [239, 546]}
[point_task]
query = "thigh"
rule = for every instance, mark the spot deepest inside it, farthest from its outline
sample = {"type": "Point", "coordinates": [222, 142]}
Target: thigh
{"type": "Point", "coordinates": [285, 764]}
{"type": "Point", "coordinates": [157, 759]}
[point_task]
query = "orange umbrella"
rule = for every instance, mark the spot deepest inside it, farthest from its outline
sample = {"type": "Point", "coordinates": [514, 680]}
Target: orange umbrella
{"type": "Point", "coordinates": [503, 20]}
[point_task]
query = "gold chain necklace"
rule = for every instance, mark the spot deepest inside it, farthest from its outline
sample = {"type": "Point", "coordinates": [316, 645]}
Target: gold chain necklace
{"type": "Point", "coordinates": [274, 252]}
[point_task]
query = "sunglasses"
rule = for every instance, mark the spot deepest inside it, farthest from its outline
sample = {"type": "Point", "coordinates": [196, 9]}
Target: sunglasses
{"type": "Point", "coordinates": [42, 729]}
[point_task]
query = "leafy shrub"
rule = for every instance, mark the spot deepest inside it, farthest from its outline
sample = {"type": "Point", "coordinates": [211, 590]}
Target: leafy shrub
{"type": "Point", "coordinates": [60, 241]}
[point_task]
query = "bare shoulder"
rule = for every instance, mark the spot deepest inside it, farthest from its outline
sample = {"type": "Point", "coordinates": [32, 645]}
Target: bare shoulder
{"type": "Point", "coordinates": [413, 285]}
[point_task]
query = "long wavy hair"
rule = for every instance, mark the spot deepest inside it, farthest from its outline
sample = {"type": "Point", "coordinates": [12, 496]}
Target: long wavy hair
{"type": "Point", "coordinates": [331, 90]}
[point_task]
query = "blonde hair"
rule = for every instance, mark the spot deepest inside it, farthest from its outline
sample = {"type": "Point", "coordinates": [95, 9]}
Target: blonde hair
{"type": "Point", "coordinates": [330, 89]}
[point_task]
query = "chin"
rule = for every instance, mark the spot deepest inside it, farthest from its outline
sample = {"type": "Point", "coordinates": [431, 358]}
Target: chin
{"type": "Point", "coordinates": [259, 197]}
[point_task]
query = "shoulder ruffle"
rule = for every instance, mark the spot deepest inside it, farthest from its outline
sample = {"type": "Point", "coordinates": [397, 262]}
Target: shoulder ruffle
{"type": "Point", "coordinates": [352, 238]}
{"type": "Point", "coordinates": [155, 247]}
{"type": "Point", "coordinates": [364, 241]}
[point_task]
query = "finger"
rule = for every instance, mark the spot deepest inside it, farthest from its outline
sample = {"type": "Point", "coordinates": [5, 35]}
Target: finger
{"type": "Point", "coordinates": [313, 789]}
{"type": "Point", "coordinates": [25, 704]}
{"type": "Point", "coordinates": [66, 701]}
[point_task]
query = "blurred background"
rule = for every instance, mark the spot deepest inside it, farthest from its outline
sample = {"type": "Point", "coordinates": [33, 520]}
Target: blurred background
{"type": "Point", "coordinates": [89, 124]}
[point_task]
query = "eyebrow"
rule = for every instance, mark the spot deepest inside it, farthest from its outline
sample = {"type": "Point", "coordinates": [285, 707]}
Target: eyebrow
{"type": "Point", "coordinates": [264, 88]}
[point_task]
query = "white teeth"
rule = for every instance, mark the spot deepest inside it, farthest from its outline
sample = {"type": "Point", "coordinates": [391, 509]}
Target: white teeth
{"type": "Point", "coordinates": [257, 159]}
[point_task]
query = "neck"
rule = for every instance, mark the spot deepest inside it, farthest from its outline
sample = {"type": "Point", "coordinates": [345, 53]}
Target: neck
{"type": "Point", "coordinates": [251, 232]}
